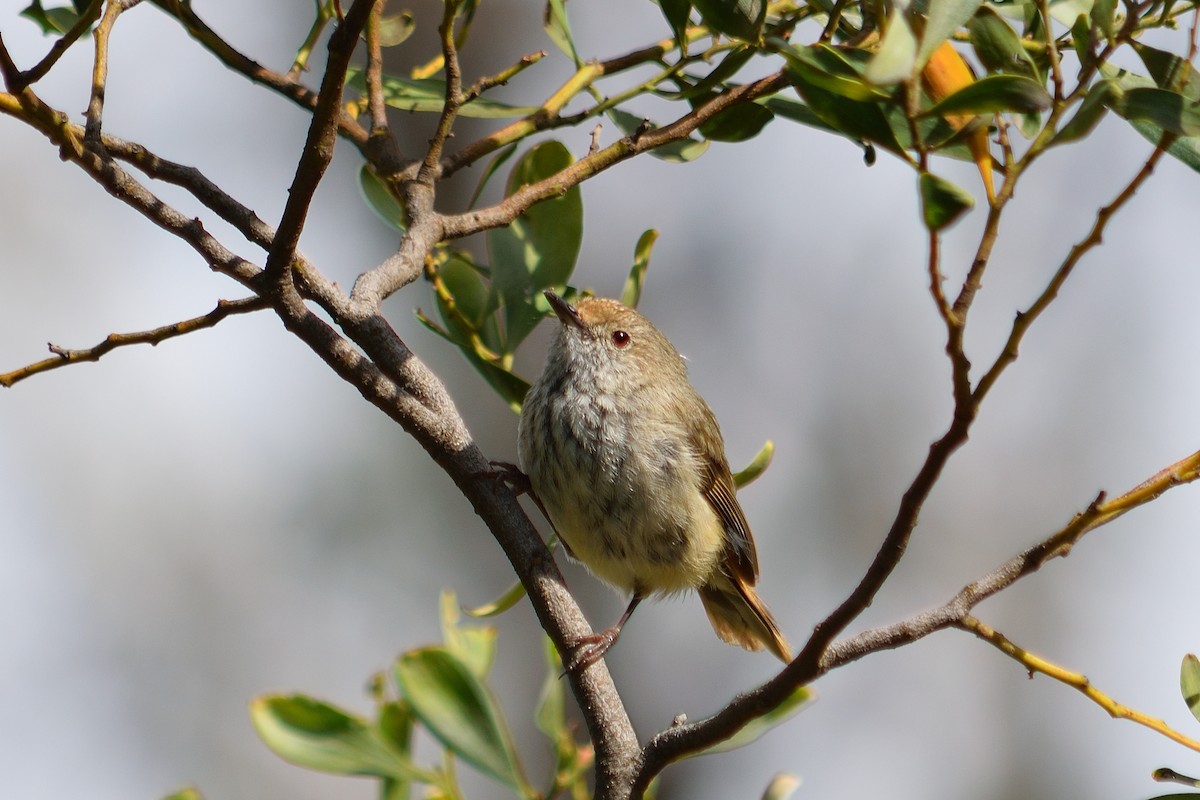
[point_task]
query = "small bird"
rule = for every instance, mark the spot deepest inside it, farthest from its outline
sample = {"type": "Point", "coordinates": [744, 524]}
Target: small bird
{"type": "Point", "coordinates": [628, 463]}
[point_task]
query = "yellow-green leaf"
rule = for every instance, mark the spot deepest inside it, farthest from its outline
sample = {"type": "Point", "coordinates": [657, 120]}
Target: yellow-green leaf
{"type": "Point", "coordinates": [1189, 683]}
{"type": "Point", "coordinates": [458, 709]}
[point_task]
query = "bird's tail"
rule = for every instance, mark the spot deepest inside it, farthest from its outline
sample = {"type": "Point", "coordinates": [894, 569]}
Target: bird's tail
{"type": "Point", "coordinates": [740, 617]}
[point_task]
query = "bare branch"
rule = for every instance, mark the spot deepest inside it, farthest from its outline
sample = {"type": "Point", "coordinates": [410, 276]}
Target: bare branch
{"type": "Point", "coordinates": [64, 357]}
{"type": "Point", "coordinates": [238, 62]}
{"type": "Point", "coordinates": [318, 149]}
{"type": "Point", "coordinates": [60, 46]}
{"type": "Point", "coordinates": [510, 208]}
{"type": "Point", "coordinates": [1026, 318]}
{"type": "Point", "coordinates": [374, 74]}
{"type": "Point", "coordinates": [679, 741]}
{"type": "Point", "coordinates": [1075, 680]}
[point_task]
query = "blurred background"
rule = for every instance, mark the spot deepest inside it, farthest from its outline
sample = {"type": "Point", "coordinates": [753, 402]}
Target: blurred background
{"type": "Point", "coordinates": [188, 526]}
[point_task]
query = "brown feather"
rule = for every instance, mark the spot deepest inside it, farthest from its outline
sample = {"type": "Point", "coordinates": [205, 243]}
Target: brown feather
{"type": "Point", "coordinates": [740, 617]}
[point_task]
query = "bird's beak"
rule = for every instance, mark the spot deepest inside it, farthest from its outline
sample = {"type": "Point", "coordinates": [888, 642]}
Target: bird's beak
{"type": "Point", "coordinates": [565, 311]}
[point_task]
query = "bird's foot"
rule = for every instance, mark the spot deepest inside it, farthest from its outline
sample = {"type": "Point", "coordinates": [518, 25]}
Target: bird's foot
{"type": "Point", "coordinates": [590, 649]}
{"type": "Point", "coordinates": [508, 474]}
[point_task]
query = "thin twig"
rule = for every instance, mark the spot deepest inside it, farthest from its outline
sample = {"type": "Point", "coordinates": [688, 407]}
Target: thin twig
{"type": "Point", "coordinates": [61, 45]}
{"type": "Point", "coordinates": [680, 741]}
{"type": "Point", "coordinates": [374, 75]}
{"type": "Point", "coordinates": [318, 148]}
{"type": "Point", "coordinates": [454, 97]}
{"type": "Point", "coordinates": [235, 60]}
{"type": "Point", "coordinates": [300, 64]}
{"type": "Point", "coordinates": [1075, 680]}
{"type": "Point", "coordinates": [95, 107]}
{"type": "Point", "coordinates": [64, 357]}
{"type": "Point", "coordinates": [1026, 318]}
{"type": "Point", "coordinates": [1056, 74]}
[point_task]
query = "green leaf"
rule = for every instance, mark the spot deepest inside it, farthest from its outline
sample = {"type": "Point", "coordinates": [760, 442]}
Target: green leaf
{"type": "Point", "coordinates": [737, 123]}
{"type": "Point", "coordinates": [186, 793]}
{"type": "Point", "coordinates": [754, 730]}
{"type": "Point", "coordinates": [1185, 148]}
{"type": "Point", "coordinates": [1083, 41]}
{"type": "Point", "coordinates": [474, 300]}
{"type": "Point", "coordinates": [676, 13]}
{"type": "Point", "coordinates": [1169, 71]}
{"type": "Point", "coordinates": [1189, 683]}
{"type": "Point", "coordinates": [992, 94]}
{"type": "Point", "coordinates": [782, 787]}
{"type": "Point", "coordinates": [717, 77]}
{"type": "Point", "coordinates": [429, 94]}
{"type": "Point", "coordinates": [1162, 108]}
{"type": "Point", "coordinates": [829, 70]}
{"type": "Point", "coordinates": [458, 709]}
{"type": "Point", "coordinates": [474, 646]}
{"type": "Point", "coordinates": [396, 28]}
{"type": "Point", "coordinates": [1102, 15]}
{"type": "Point", "coordinates": [381, 201]}
{"type": "Point", "coordinates": [395, 724]}
{"type": "Point", "coordinates": [675, 152]}
{"type": "Point", "coordinates": [493, 166]}
{"type": "Point", "coordinates": [56, 20]}
{"type": "Point", "coordinates": [316, 735]}
{"type": "Point", "coordinates": [896, 59]}
{"type": "Point", "coordinates": [558, 28]}
{"type": "Point", "coordinates": [795, 111]}
{"type": "Point", "coordinates": [997, 45]}
{"type": "Point", "coordinates": [538, 250]}
{"type": "Point", "coordinates": [943, 19]}
{"type": "Point", "coordinates": [1089, 114]}
{"type": "Point", "coordinates": [741, 19]}
{"type": "Point", "coordinates": [631, 295]}
{"type": "Point", "coordinates": [509, 598]}
{"type": "Point", "coordinates": [858, 121]}
{"type": "Point", "coordinates": [511, 388]}
{"type": "Point", "coordinates": [757, 466]}
{"type": "Point", "coordinates": [942, 203]}
{"type": "Point", "coordinates": [550, 715]}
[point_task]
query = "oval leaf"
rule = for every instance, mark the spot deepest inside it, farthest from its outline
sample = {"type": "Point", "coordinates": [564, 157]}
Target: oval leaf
{"type": "Point", "coordinates": [995, 93]}
{"type": "Point", "coordinates": [943, 19]}
{"type": "Point", "coordinates": [897, 55]}
{"type": "Point", "coordinates": [997, 45]}
{"type": "Point", "coordinates": [1189, 683]}
{"type": "Point", "coordinates": [314, 734]}
{"type": "Point", "coordinates": [1165, 109]}
{"type": "Point", "coordinates": [381, 201]}
{"type": "Point", "coordinates": [737, 123]}
{"type": "Point", "coordinates": [537, 251]}
{"type": "Point", "coordinates": [631, 295]}
{"type": "Point", "coordinates": [458, 709]}
{"type": "Point", "coordinates": [741, 19]}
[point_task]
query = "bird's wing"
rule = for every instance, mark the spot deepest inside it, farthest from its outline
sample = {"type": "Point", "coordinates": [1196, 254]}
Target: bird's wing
{"type": "Point", "coordinates": [741, 559]}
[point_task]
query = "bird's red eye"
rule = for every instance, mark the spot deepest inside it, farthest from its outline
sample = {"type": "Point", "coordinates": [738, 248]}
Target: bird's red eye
{"type": "Point", "coordinates": [621, 338]}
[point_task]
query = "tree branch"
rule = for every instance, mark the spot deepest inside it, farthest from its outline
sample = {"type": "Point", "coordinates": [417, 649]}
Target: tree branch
{"type": "Point", "coordinates": [64, 357]}
{"type": "Point", "coordinates": [251, 69]}
{"type": "Point", "coordinates": [1075, 680]}
{"type": "Point", "coordinates": [318, 149]}
{"type": "Point", "coordinates": [680, 741]}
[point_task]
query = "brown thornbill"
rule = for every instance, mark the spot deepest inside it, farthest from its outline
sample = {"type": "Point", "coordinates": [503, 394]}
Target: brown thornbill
{"type": "Point", "coordinates": [629, 464]}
